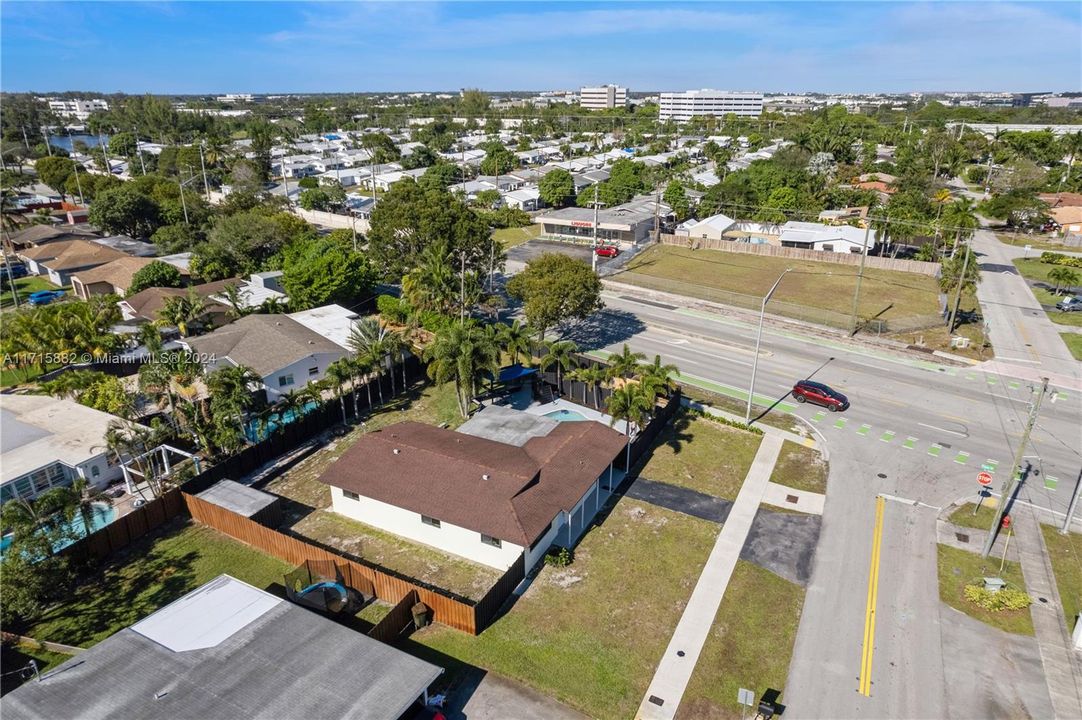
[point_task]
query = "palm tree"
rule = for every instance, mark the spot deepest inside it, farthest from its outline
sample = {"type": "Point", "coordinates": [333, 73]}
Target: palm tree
{"type": "Point", "coordinates": [561, 354]}
{"type": "Point", "coordinates": [30, 517]}
{"type": "Point", "coordinates": [515, 340]}
{"type": "Point", "coordinates": [592, 375]}
{"type": "Point", "coordinates": [273, 306]}
{"type": "Point", "coordinates": [231, 395]}
{"type": "Point", "coordinates": [962, 216]}
{"type": "Point", "coordinates": [369, 339]}
{"type": "Point", "coordinates": [181, 310]}
{"type": "Point", "coordinates": [338, 374]}
{"type": "Point", "coordinates": [363, 367]}
{"type": "Point", "coordinates": [84, 497]}
{"type": "Point", "coordinates": [625, 364]}
{"type": "Point", "coordinates": [657, 379]}
{"type": "Point", "coordinates": [630, 403]}
{"type": "Point", "coordinates": [433, 284]}
{"type": "Point", "coordinates": [235, 299]}
{"type": "Point", "coordinates": [464, 354]}
{"type": "Point", "coordinates": [1064, 278]}
{"type": "Point", "coordinates": [1072, 145]}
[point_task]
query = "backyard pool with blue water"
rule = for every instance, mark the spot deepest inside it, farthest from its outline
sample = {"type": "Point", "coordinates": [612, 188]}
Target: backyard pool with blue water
{"type": "Point", "coordinates": [566, 416]}
{"type": "Point", "coordinates": [255, 433]}
{"type": "Point", "coordinates": [100, 516]}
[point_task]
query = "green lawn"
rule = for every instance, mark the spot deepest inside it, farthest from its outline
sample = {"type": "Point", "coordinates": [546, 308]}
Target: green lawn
{"type": "Point", "coordinates": [25, 286]}
{"type": "Point", "coordinates": [1033, 269]}
{"type": "Point", "coordinates": [509, 237]}
{"type": "Point", "coordinates": [732, 405]}
{"type": "Point", "coordinates": [592, 633]}
{"type": "Point", "coordinates": [749, 645]}
{"type": "Point", "coordinates": [1065, 554]}
{"type": "Point", "coordinates": [801, 468]}
{"type": "Point", "coordinates": [150, 574]}
{"type": "Point", "coordinates": [958, 568]}
{"type": "Point", "coordinates": [964, 517]}
{"type": "Point", "coordinates": [17, 376]}
{"type": "Point", "coordinates": [1073, 341]}
{"type": "Point", "coordinates": [698, 453]}
{"type": "Point", "coordinates": [815, 291]}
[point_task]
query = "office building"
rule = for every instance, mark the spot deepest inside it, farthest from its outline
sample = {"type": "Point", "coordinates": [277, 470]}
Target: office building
{"type": "Point", "coordinates": [78, 109]}
{"type": "Point", "coordinates": [605, 97]}
{"type": "Point", "coordinates": [682, 106]}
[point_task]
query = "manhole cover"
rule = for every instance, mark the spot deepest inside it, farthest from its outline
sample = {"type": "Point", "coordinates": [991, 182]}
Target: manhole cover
{"type": "Point", "coordinates": [1040, 599]}
{"type": "Point", "coordinates": [679, 653]}
{"type": "Point", "coordinates": [881, 476]}
{"type": "Point", "coordinates": [656, 700]}
{"type": "Point", "coordinates": [962, 537]}
{"type": "Point", "coordinates": [792, 499]}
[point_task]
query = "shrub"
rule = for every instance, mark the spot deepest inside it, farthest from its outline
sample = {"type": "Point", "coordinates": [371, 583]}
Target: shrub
{"type": "Point", "coordinates": [724, 421]}
{"type": "Point", "coordinates": [1055, 258]}
{"type": "Point", "coordinates": [559, 557]}
{"type": "Point", "coordinates": [1009, 598]}
{"type": "Point", "coordinates": [433, 321]}
{"type": "Point", "coordinates": [976, 173]}
{"type": "Point", "coordinates": [392, 309]}
{"type": "Point", "coordinates": [308, 183]}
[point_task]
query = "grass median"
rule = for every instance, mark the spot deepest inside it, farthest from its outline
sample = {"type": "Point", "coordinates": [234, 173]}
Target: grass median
{"type": "Point", "coordinates": [749, 646]}
{"type": "Point", "coordinates": [800, 468]}
{"type": "Point", "coordinates": [1065, 553]}
{"type": "Point", "coordinates": [958, 568]}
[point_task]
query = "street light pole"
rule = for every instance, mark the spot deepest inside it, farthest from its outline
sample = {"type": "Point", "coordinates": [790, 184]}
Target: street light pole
{"type": "Point", "coordinates": [1071, 508]}
{"type": "Point", "coordinates": [1008, 483]}
{"type": "Point", "coordinates": [758, 342]}
{"type": "Point", "coordinates": [593, 253]}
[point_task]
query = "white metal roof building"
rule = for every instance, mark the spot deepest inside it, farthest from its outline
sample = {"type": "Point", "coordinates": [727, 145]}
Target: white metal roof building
{"type": "Point", "coordinates": [333, 322]}
{"type": "Point", "coordinates": [228, 650]}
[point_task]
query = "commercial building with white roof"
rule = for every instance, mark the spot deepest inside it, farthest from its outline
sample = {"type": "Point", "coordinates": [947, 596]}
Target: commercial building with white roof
{"type": "Point", "coordinates": [682, 106]}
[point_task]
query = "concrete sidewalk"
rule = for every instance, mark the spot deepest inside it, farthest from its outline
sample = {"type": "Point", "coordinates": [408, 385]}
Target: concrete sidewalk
{"type": "Point", "coordinates": [671, 678]}
{"type": "Point", "coordinates": [1060, 666]}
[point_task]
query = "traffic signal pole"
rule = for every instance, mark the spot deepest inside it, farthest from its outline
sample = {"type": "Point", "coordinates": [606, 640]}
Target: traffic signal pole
{"type": "Point", "coordinates": [1016, 470]}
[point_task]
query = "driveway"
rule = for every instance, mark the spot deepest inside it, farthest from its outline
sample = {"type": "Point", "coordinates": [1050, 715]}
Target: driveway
{"type": "Point", "coordinates": [488, 696]}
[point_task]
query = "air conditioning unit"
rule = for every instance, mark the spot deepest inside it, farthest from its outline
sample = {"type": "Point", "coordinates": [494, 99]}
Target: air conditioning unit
{"type": "Point", "coordinates": [960, 342]}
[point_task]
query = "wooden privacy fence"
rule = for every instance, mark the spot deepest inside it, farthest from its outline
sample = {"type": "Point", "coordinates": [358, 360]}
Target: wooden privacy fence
{"type": "Point", "coordinates": [447, 608]}
{"type": "Point", "coordinates": [125, 530]}
{"type": "Point", "coordinates": [395, 622]}
{"type": "Point", "coordinates": [873, 261]}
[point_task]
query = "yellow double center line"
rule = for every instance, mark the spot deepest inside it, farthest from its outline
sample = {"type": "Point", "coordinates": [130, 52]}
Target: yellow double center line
{"type": "Point", "coordinates": [873, 596]}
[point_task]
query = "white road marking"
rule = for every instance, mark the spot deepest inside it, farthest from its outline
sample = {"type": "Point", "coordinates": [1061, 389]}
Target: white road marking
{"type": "Point", "coordinates": [952, 432]}
{"type": "Point", "coordinates": [907, 501]}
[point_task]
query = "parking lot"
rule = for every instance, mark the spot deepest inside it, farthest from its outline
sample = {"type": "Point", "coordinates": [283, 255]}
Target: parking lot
{"type": "Point", "coordinates": [518, 256]}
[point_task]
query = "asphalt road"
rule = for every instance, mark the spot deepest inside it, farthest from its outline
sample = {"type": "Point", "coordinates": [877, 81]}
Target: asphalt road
{"type": "Point", "coordinates": [917, 430]}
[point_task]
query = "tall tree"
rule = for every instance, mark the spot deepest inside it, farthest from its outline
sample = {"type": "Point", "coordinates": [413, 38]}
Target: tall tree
{"type": "Point", "coordinates": [462, 353]}
{"type": "Point", "coordinates": [554, 289]}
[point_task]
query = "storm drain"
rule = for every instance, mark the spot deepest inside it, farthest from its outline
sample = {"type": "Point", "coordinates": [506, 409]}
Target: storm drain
{"type": "Point", "coordinates": [792, 499]}
{"type": "Point", "coordinates": [656, 700]}
{"type": "Point", "coordinates": [962, 537]}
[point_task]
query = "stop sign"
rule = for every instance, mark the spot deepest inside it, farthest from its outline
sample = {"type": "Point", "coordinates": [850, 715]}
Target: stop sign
{"type": "Point", "coordinates": [984, 479]}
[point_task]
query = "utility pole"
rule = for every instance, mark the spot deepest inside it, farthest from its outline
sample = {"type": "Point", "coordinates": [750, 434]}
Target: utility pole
{"type": "Point", "coordinates": [142, 164]}
{"type": "Point", "coordinates": [183, 204]}
{"type": "Point", "coordinates": [462, 288]}
{"type": "Point", "coordinates": [1016, 470]}
{"type": "Point", "coordinates": [860, 277]}
{"type": "Point", "coordinates": [1071, 508]}
{"type": "Point", "coordinates": [48, 145]}
{"type": "Point", "coordinates": [203, 165]}
{"type": "Point", "coordinates": [26, 142]}
{"type": "Point", "coordinates": [593, 253]}
{"type": "Point", "coordinates": [105, 154]}
{"type": "Point", "coordinates": [958, 293]}
{"type": "Point", "coordinates": [657, 214]}
{"type": "Point", "coordinates": [78, 182]}
{"type": "Point", "coordinates": [11, 281]}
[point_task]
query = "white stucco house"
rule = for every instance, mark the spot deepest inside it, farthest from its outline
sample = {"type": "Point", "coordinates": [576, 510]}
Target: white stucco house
{"type": "Point", "coordinates": [826, 238]}
{"type": "Point", "coordinates": [49, 442]}
{"type": "Point", "coordinates": [711, 228]}
{"type": "Point", "coordinates": [485, 500]}
{"type": "Point", "coordinates": [285, 353]}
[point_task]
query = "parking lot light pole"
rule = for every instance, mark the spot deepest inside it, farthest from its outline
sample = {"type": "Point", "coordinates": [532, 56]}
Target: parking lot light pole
{"type": "Point", "coordinates": [758, 342]}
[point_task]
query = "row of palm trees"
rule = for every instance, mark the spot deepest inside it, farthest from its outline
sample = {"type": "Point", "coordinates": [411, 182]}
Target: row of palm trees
{"type": "Point", "coordinates": [31, 336]}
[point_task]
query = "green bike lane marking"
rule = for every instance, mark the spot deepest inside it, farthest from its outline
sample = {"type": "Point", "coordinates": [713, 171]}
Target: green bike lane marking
{"type": "Point", "coordinates": [910, 443]}
{"type": "Point", "coordinates": [1050, 483]}
{"type": "Point", "coordinates": [935, 450]}
{"type": "Point", "coordinates": [864, 429]}
{"type": "Point", "coordinates": [840, 423]}
{"type": "Point", "coordinates": [887, 436]}
{"type": "Point", "coordinates": [961, 458]}
{"type": "Point", "coordinates": [818, 416]}
{"type": "Point", "coordinates": [990, 465]}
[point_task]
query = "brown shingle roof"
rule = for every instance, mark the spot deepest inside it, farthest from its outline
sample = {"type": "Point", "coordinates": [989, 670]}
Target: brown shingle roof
{"type": "Point", "coordinates": [117, 273]}
{"type": "Point", "coordinates": [441, 473]}
{"type": "Point", "coordinates": [42, 234]}
{"type": "Point", "coordinates": [264, 343]}
{"type": "Point", "coordinates": [1057, 200]}
{"type": "Point", "coordinates": [72, 254]}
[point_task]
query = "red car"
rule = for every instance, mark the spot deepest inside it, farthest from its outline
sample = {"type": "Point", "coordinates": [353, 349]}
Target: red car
{"type": "Point", "coordinates": [820, 394]}
{"type": "Point", "coordinates": [609, 251]}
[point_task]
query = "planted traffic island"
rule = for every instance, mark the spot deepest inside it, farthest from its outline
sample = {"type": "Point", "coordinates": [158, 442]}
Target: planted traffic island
{"type": "Point", "coordinates": [962, 586]}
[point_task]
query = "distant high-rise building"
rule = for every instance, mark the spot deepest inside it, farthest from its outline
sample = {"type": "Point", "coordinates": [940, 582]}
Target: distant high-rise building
{"type": "Point", "coordinates": [682, 106]}
{"type": "Point", "coordinates": [605, 97]}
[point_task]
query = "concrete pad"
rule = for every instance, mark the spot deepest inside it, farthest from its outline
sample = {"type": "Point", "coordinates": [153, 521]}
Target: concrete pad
{"type": "Point", "coordinates": [488, 696]}
{"type": "Point", "coordinates": [680, 499]}
{"type": "Point", "coordinates": [991, 673]}
{"type": "Point", "coordinates": [808, 502]}
{"type": "Point", "coordinates": [784, 544]}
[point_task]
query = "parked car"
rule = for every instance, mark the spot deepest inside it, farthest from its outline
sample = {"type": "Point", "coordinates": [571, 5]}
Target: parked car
{"type": "Point", "coordinates": [44, 297]}
{"type": "Point", "coordinates": [609, 251]}
{"type": "Point", "coordinates": [1069, 304]}
{"type": "Point", "coordinates": [18, 270]}
{"type": "Point", "coordinates": [820, 394]}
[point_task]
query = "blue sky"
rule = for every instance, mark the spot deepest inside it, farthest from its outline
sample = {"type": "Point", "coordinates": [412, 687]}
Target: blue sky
{"type": "Point", "coordinates": [214, 47]}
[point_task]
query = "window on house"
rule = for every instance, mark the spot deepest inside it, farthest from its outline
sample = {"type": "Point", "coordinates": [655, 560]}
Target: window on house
{"type": "Point", "coordinates": [284, 380]}
{"type": "Point", "coordinates": [828, 248]}
{"type": "Point", "coordinates": [489, 540]}
{"type": "Point", "coordinates": [430, 521]}
{"type": "Point", "coordinates": [94, 472]}
{"type": "Point", "coordinates": [351, 495]}
{"type": "Point", "coordinates": [313, 371]}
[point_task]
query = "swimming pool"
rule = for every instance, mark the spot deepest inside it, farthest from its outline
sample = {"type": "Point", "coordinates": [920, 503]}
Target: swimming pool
{"type": "Point", "coordinates": [276, 420]}
{"type": "Point", "coordinates": [100, 516]}
{"type": "Point", "coordinates": [566, 416]}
